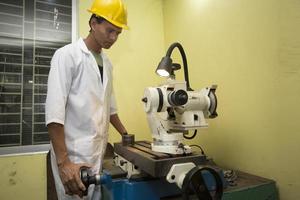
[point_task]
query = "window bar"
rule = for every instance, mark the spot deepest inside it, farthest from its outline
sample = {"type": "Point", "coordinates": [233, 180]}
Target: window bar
{"type": "Point", "coordinates": [22, 79]}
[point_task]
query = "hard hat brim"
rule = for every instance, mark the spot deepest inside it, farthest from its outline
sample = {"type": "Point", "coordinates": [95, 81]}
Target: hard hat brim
{"type": "Point", "coordinates": [123, 26]}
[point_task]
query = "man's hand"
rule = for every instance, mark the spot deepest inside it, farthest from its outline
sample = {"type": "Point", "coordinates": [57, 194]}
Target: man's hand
{"type": "Point", "coordinates": [69, 173]}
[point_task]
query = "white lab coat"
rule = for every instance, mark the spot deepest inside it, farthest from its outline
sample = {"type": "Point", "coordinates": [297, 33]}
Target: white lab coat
{"type": "Point", "coordinates": [77, 99]}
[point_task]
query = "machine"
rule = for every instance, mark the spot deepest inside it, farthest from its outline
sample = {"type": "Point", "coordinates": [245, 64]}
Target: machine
{"type": "Point", "coordinates": [173, 109]}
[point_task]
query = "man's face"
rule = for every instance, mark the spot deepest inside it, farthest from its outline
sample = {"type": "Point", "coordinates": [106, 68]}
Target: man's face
{"type": "Point", "coordinates": [105, 33]}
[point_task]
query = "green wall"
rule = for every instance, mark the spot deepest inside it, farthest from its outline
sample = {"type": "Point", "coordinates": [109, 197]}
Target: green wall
{"type": "Point", "coordinates": [23, 177]}
{"type": "Point", "coordinates": [251, 49]}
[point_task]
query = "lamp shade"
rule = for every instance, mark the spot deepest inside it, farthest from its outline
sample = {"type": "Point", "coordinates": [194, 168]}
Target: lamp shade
{"type": "Point", "coordinates": [164, 68]}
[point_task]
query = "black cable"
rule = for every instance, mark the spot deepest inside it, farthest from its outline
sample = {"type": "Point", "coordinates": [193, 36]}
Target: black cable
{"type": "Point", "coordinates": [184, 60]}
{"type": "Point", "coordinates": [190, 137]}
{"type": "Point", "coordinates": [195, 145]}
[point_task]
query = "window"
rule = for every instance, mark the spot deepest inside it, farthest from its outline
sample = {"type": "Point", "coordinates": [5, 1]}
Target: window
{"type": "Point", "coordinates": [31, 31]}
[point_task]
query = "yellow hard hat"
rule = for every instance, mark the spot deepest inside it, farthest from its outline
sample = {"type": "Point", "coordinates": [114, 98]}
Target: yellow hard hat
{"type": "Point", "coordinates": [113, 11]}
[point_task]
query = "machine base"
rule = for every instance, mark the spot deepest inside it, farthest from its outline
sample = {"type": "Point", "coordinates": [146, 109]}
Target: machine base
{"type": "Point", "coordinates": [125, 189]}
{"type": "Point", "coordinates": [248, 187]}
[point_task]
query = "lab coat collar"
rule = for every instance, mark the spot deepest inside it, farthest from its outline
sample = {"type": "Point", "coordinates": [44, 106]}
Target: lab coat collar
{"type": "Point", "coordinates": [83, 46]}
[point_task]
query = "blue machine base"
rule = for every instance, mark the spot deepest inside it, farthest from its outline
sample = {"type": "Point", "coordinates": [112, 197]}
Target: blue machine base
{"type": "Point", "coordinates": [248, 187]}
{"type": "Point", "coordinates": [124, 189]}
{"type": "Point", "coordinates": [147, 189]}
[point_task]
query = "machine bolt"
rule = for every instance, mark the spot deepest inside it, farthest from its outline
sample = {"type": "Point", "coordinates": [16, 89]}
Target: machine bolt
{"type": "Point", "coordinates": [122, 162]}
{"type": "Point", "coordinates": [145, 100]}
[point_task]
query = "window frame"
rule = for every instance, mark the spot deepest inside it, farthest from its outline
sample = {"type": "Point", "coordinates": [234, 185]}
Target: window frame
{"type": "Point", "coordinates": [42, 148]}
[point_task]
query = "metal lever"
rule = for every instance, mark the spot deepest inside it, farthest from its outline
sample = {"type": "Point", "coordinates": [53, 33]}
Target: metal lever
{"type": "Point", "coordinates": [88, 179]}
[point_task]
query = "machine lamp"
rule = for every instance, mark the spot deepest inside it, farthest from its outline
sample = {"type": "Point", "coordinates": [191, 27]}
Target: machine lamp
{"type": "Point", "coordinates": [166, 67]}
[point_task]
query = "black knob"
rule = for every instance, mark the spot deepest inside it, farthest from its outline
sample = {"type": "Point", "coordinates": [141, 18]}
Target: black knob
{"type": "Point", "coordinates": [178, 98]}
{"type": "Point", "coordinates": [128, 140]}
{"type": "Point", "coordinates": [145, 100]}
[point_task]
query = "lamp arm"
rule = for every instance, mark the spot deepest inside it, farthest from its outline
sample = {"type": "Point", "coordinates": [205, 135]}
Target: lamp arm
{"type": "Point", "coordinates": [184, 60]}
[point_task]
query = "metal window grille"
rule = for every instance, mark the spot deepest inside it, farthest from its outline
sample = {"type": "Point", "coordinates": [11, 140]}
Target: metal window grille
{"type": "Point", "coordinates": [30, 33]}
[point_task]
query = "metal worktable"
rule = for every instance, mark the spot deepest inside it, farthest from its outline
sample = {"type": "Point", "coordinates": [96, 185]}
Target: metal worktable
{"type": "Point", "coordinates": [247, 186]}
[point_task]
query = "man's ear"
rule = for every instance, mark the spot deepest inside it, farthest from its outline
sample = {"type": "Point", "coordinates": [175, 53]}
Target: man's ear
{"type": "Point", "coordinates": [93, 24]}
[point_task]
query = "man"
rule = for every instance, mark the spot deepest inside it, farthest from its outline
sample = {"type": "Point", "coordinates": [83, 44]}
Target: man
{"type": "Point", "coordinates": [80, 101]}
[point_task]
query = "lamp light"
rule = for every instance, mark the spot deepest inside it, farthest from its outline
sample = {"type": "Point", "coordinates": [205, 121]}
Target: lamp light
{"type": "Point", "coordinates": [164, 68]}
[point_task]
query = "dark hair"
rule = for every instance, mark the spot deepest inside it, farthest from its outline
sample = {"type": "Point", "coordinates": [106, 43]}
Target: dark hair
{"type": "Point", "coordinates": [98, 19]}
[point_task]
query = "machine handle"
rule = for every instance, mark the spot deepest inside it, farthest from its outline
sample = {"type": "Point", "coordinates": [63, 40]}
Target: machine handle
{"type": "Point", "coordinates": [88, 179]}
{"type": "Point", "coordinates": [194, 182]}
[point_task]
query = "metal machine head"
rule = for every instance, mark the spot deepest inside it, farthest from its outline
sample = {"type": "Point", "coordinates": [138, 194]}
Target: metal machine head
{"type": "Point", "coordinates": [174, 108]}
